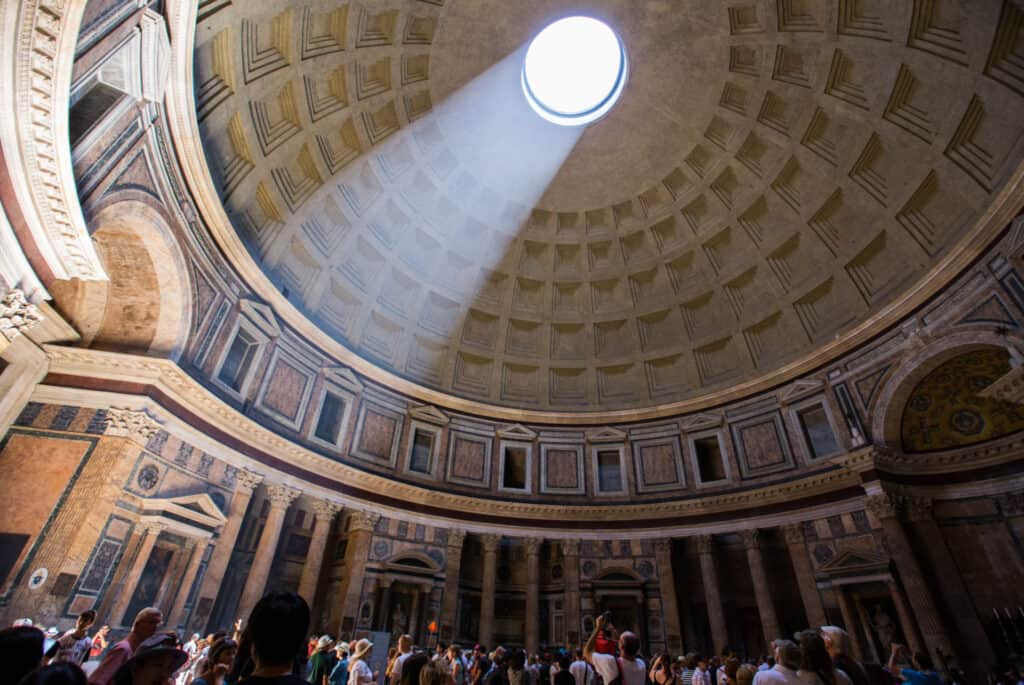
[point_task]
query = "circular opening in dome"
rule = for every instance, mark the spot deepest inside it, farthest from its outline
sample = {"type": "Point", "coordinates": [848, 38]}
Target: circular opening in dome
{"type": "Point", "coordinates": [574, 71]}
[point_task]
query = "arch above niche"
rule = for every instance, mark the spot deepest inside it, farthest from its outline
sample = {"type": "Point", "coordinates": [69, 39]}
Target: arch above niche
{"type": "Point", "coordinates": [947, 409]}
{"type": "Point", "coordinates": [889, 403]}
{"type": "Point", "coordinates": [145, 304]}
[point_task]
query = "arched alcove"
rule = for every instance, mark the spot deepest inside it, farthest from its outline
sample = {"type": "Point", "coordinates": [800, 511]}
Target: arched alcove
{"type": "Point", "coordinates": [144, 305]}
{"type": "Point", "coordinates": [946, 409]}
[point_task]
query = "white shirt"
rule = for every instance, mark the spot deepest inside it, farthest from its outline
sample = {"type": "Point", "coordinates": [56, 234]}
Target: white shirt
{"type": "Point", "coordinates": [360, 673]}
{"type": "Point", "coordinates": [633, 672]}
{"type": "Point", "coordinates": [812, 678]}
{"type": "Point", "coordinates": [777, 675]}
{"type": "Point", "coordinates": [581, 671]}
{"type": "Point", "coordinates": [396, 668]}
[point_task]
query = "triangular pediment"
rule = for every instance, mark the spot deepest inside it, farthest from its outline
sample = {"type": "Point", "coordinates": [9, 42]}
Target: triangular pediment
{"type": "Point", "coordinates": [429, 414]}
{"type": "Point", "coordinates": [854, 562]}
{"type": "Point", "coordinates": [517, 431]}
{"type": "Point", "coordinates": [198, 509]}
{"type": "Point", "coordinates": [606, 434]}
{"type": "Point", "coordinates": [696, 422]}
{"type": "Point", "coordinates": [344, 377]}
{"type": "Point", "coordinates": [799, 390]}
{"type": "Point", "coordinates": [262, 316]}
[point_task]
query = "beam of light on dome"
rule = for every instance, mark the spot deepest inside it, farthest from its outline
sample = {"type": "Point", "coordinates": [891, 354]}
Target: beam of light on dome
{"type": "Point", "coordinates": [442, 200]}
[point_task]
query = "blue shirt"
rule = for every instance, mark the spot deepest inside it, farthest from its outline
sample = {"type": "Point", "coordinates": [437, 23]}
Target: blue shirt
{"type": "Point", "coordinates": [921, 677]}
{"type": "Point", "coordinates": [339, 676]}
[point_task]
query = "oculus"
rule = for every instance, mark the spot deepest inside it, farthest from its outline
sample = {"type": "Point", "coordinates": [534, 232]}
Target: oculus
{"type": "Point", "coordinates": [574, 71]}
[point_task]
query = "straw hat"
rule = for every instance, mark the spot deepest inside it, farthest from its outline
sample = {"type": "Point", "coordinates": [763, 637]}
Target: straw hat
{"type": "Point", "coordinates": [362, 647]}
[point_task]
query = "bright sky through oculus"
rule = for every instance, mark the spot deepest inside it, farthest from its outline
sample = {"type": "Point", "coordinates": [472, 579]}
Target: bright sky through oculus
{"type": "Point", "coordinates": [574, 71]}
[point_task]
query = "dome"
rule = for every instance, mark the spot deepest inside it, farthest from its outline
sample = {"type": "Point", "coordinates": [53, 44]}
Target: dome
{"type": "Point", "coordinates": [774, 187]}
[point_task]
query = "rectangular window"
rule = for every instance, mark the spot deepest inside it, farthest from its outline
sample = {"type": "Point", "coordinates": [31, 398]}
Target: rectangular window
{"type": "Point", "coordinates": [513, 476]}
{"type": "Point", "coordinates": [609, 471]}
{"type": "Point", "coordinates": [422, 450]}
{"type": "Point", "coordinates": [238, 360]}
{"type": "Point", "coordinates": [328, 425]}
{"type": "Point", "coordinates": [818, 432]}
{"type": "Point", "coordinates": [709, 459]}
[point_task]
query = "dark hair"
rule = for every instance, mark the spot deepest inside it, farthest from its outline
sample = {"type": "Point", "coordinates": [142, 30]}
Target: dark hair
{"type": "Point", "coordinates": [21, 650]}
{"type": "Point", "coordinates": [517, 661]}
{"type": "Point", "coordinates": [60, 673]}
{"type": "Point", "coordinates": [564, 662]}
{"type": "Point", "coordinates": [219, 647]}
{"type": "Point", "coordinates": [630, 644]}
{"type": "Point", "coordinates": [431, 673]}
{"type": "Point", "coordinates": [89, 614]}
{"type": "Point", "coordinates": [732, 666]}
{"type": "Point", "coordinates": [277, 628]}
{"type": "Point", "coordinates": [924, 661]}
{"type": "Point", "coordinates": [814, 658]}
{"type": "Point", "coordinates": [412, 666]}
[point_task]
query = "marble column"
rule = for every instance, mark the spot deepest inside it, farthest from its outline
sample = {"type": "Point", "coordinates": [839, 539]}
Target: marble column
{"type": "Point", "coordinates": [360, 533]}
{"type": "Point", "coordinates": [131, 580]}
{"type": "Point", "coordinates": [452, 571]}
{"type": "Point", "coordinates": [177, 615]}
{"type": "Point", "coordinates": [973, 649]}
{"type": "Point", "coordinates": [709, 576]}
{"type": "Point", "coordinates": [245, 483]}
{"type": "Point", "coordinates": [571, 599]}
{"type": "Point", "coordinates": [281, 497]}
{"type": "Point", "coordinates": [531, 633]}
{"type": "Point", "coordinates": [886, 508]}
{"type": "Point", "coordinates": [905, 618]}
{"type": "Point", "coordinates": [762, 589]}
{"type": "Point", "coordinates": [491, 544]}
{"type": "Point", "coordinates": [324, 513]}
{"type": "Point", "coordinates": [813, 607]}
{"type": "Point", "coordinates": [669, 600]}
{"type": "Point", "coordinates": [849, 621]}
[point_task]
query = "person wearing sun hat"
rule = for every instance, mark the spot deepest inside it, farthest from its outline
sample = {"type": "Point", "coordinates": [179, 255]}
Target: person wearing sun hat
{"type": "Point", "coordinates": [359, 669]}
{"type": "Point", "coordinates": [155, 661]}
{"type": "Point", "coordinates": [321, 662]}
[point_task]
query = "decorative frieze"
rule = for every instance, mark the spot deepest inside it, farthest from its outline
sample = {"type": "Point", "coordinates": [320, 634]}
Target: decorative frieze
{"type": "Point", "coordinates": [17, 314]}
{"type": "Point", "coordinates": [137, 426]}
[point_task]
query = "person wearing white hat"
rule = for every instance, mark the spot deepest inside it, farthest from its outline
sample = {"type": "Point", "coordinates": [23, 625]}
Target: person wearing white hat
{"type": "Point", "coordinates": [339, 674]}
{"type": "Point", "coordinates": [321, 662]}
{"type": "Point", "coordinates": [359, 666]}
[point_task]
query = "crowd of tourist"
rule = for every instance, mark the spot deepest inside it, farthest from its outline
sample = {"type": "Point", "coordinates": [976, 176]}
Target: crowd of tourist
{"type": "Point", "coordinates": [272, 649]}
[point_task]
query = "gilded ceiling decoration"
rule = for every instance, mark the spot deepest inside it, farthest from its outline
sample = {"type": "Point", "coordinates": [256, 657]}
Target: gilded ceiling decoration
{"type": "Point", "coordinates": [945, 410]}
{"type": "Point", "coordinates": [776, 173]}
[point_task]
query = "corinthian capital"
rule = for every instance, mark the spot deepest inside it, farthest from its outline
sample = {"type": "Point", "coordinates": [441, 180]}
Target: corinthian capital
{"type": "Point", "coordinates": [533, 545]}
{"type": "Point", "coordinates": [882, 505]}
{"type": "Point", "coordinates": [491, 542]}
{"type": "Point", "coordinates": [137, 426]}
{"type": "Point", "coordinates": [456, 536]}
{"type": "Point", "coordinates": [247, 481]}
{"type": "Point", "coordinates": [1011, 504]}
{"type": "Point", "coordinates": [326, 510]}
{"type": "Point", "coordinates": [571, 548]}
{"type": "Point", "coordinates": [705, 544]}
{"type": "Point", "coordinates": [751, 538]}
{"type": "Point", "coordinates": [363, 520]}
{"type": "Point", "coordinates": [281, 496]}
{"type": "Point", "coordinates": [794, 533]}
{"type": "Point", "coordinates": [17, 314]}
{"type": "Point", "coordinates": [917, 508]}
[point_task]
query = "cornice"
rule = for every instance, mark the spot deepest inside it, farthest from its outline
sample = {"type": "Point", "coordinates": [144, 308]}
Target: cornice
{"type": "Point", "coordinates": [149, 376]}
